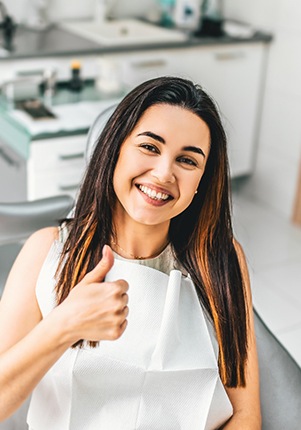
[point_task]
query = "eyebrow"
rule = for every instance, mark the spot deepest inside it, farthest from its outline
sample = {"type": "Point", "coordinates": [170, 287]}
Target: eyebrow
{"type": "Point", "coordinates": [160, 139]}
{"type": "Point", "coordinates": [152, 135]}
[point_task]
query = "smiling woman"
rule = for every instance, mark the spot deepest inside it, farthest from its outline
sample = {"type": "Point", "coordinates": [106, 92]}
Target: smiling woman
{"type": "Point", "coordinates": [145, 271]}
{"type": "Point", "coordinates": [159, 168]}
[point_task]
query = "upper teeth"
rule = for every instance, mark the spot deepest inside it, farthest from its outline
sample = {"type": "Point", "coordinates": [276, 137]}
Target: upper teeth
{"type": "Point", "coordinates": [152, 193]}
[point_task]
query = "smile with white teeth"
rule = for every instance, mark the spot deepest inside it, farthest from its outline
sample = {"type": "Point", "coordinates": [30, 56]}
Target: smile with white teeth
{"type": "Point", "coordinates": [152, 193]}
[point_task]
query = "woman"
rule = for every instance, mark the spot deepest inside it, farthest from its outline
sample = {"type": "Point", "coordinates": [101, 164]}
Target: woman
{"type": "Point", "coordinates": [137, 313]}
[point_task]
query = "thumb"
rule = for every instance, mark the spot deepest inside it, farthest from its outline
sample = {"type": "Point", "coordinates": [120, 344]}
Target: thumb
{"type": "Point", "coordinates": [101, 269]}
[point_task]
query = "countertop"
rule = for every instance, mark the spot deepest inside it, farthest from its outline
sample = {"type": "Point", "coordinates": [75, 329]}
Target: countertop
{"type": "Point", "coordinates": [74, 114]}
{"type": "Point", "coordinates": [55, 41]}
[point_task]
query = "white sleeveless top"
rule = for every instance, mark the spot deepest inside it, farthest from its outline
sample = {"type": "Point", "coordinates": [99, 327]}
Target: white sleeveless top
{"type": "Point", "coordinates": [161, 374]}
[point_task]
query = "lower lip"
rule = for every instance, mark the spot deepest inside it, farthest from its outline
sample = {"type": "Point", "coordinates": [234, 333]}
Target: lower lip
{"type": "Point", "coordinates": [152, 201]}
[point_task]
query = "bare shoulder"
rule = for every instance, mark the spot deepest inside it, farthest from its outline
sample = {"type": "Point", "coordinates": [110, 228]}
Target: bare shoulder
{"type": "Point", "coordinates": [19, 316]}
{"type": "Point", "coordinates": [43, 238]}
{"type": "Point", "coordinates": [35, 250]}
{"type": "Point", "coordinates": [32, 255]}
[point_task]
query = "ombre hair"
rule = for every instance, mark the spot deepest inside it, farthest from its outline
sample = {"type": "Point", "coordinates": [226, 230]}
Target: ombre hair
{"type": "Point", "coordinates": [201, 236]}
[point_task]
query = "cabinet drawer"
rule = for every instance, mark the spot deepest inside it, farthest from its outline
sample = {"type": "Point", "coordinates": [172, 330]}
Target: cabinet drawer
{"type": "Point", "coordinates": [140, 66]}
{"type": "Point", "coordinates": [58, 154]}
{"type": "Point", "coordinates": [50, 183]}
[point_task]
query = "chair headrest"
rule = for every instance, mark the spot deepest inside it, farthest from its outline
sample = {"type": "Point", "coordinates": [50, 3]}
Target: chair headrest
{"type": "Point", "coordinates": [97, 128]}
{"type": "Point", "coordinates": [19, 220]}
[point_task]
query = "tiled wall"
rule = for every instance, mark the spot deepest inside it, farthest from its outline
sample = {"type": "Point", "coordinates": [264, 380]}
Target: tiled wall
{"type": "Point", "coordinates": [279, 151]}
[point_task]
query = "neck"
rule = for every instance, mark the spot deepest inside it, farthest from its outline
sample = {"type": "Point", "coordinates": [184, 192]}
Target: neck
{"type": "Point", "coordinates": [140, 242]}
{"type": "Point", "coordinates": [127, 254]}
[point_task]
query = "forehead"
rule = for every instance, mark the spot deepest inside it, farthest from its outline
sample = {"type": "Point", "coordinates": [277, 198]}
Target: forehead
{"type": "Point", "coordinates": [165, 110]}
{"type": "Point", "coordinates": [175, 121]}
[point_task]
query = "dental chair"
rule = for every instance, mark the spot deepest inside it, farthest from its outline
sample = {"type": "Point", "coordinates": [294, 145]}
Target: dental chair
{"type": "Point", "coordinates": [280, 374]}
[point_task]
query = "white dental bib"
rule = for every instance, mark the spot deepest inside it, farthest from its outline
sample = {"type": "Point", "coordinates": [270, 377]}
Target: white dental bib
{"type": "Point", "coordinates": [162, 373]}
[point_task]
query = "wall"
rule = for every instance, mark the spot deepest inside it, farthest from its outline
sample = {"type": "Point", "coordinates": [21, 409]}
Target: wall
{"type": "Point", "coordinates": [58, 9]}
{"type": "Point", "coordinates": [275, 178]}
{"type": "Point", "coordinates": [14, 8]}
{"type": "Point", "coordinates": [71, 9]}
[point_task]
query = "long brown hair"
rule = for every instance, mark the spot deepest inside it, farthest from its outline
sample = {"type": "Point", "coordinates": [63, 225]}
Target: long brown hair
{"type": "Point", "coordinates": [201, 236]}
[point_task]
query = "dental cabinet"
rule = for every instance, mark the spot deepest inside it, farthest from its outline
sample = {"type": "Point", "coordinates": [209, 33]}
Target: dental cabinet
{"type": "Point", "coordinates": [48, 162]}
{"type": "Point", "coordinates": [54, 167]}
{"type": "Point", "coordinates": [36, 164]}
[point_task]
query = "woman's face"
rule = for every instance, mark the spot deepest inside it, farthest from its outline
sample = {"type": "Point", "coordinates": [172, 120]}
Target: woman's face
{"type": "Point", "coordinates": [160, 165]}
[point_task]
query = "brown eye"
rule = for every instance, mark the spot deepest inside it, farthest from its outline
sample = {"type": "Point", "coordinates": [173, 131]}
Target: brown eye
{"type": "Point", "coordinates": [187, 161]}
{"type": "Point", "coordinates": [150, 148]}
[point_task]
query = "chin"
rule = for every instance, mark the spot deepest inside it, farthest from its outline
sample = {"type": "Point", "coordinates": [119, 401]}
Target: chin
{"type": "Point", "coordinates": [149, 220]}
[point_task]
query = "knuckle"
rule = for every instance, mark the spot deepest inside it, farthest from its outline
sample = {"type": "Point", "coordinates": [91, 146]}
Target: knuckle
{"type": "Point", "coordinates": [118, 328]}
{"type": "Point", "coordinates": [116, 308]}
{"type": "Point", "coordinates": [116, 332]}
{"type": "Point", "coordinates": [123, 285]}
{"type": "Point", "coordinates": [115, 289]}
{"type": "Point", "coordinates": [116, 295]}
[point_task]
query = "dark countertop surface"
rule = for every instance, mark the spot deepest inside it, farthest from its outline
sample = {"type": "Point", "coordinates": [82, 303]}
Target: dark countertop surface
{"type": "Point", "coordinates": [58, 42]}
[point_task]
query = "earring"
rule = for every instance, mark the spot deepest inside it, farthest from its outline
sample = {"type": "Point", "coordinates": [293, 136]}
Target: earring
{"type": "Point", "coordinates": [196, 192]}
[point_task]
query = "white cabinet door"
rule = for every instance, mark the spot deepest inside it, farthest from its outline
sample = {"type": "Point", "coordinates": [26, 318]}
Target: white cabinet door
{"type": "Point", "coordinates": [56, 166]}
{"type": "Point", "coordinates": [233, 75]}
{"type": "Point", "coordinates": [137, 67]}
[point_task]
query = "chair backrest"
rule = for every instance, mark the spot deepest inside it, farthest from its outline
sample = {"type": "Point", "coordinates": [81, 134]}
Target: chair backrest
{"type": "Point", "coordinates": [96, 129]}
{"type": "Point", "coordinates": [19, 220]}
{"type": "Point", "coordinates": [280, 382]}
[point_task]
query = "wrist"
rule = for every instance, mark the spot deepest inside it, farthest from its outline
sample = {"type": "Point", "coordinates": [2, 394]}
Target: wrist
{"type": "Point", "coordinates": [62, 328]}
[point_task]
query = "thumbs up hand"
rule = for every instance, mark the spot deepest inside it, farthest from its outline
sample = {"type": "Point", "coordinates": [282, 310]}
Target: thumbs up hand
{"type": "Point", "coordinates": [101, 269]}
{"type": "Point", "coordinates": [97, 310]}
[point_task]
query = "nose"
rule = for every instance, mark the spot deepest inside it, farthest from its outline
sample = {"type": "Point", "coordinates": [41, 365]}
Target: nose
{"type": "Point", "coordinates": [163, 170]}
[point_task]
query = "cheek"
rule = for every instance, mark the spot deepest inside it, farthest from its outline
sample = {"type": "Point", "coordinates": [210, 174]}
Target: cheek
{"type": "Point", "coordinates": [117, 181]}
{"type": "Point", "coordinates": [192, 185]}
{"type": "Point", "coordinates": [123, 174]}
{"type": "Point", "coordinates": [120, 169]}
{"type": "Point", "coordinates": [189, 191]}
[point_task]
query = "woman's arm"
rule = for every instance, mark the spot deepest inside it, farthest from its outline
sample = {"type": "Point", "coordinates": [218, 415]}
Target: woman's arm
{"type": "Point", "coordinates": [246, 401]}
{"type": "Point", "coordinates": [22, 339]}
{"type": "Point", "coordinates": [30, 345]}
